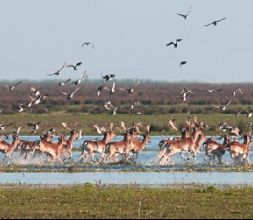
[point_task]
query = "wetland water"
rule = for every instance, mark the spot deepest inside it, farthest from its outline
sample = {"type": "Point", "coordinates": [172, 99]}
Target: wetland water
{"type": "Point", "coordinates": [113, 174]}
{"type": "Point", "coordinates": [121, 178]}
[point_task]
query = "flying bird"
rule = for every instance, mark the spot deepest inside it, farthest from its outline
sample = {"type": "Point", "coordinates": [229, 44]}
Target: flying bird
{"type": "Point", "coordinates": [4, 125]}
{"type": "Point", "coordinates": [114, 112]}
{"type": "Point", "coordinates": [108, 77]}
{"type": "Point", "coordinates": [175, 44]}
{"type": "Point", "coordinates": [239, 90]}
{"type": "Point", "coordinates": [131, 90]}
{"type": "Point", "coordinates": [71, 95]}
{"type": "Point", "coordinates": [185, 15]}
{"type": "Point", "coordinates": [35, 126]}
{"type": "Point", "coordinates": [64, 83]}
{"type": "Point", "coordinates": [77, 82]}
{"type": "Point", "coordinates": [35, 91]}
{"type": "Point", "coordinates": [215, 22]}
{"type": "Point", "coordinates": [74, 66]}
{"type": "Point", "coordinates": [87, 44]}
{"type": "Point", "coordinates": [183, 63]}
{"type": "Point", "coordinates": [108, 106]}
{"type": "Point", "coordinates": [57, 73]}
{"type": "Point", "coordinates": [172, 123]}
{"type": "Point", "coordinates": [101, 88]}
{"type": "Point", "coordinates": [13, 86]}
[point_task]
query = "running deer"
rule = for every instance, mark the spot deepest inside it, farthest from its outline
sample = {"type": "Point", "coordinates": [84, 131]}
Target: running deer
{"type": "Point", "coordinates": [240, 151]}
{"type": "Point", "coordinates": [214, 149]}
{"type": "Point", "coordinates": [139, 145]}
{"type": "Point", "coordinates": [52, 149]}
{"type": "Point", "coordinates": [8, 148]}
{"type": "Point", "coordinates": [68, 144]}
{"type": "Point", "coordinates": [89, 148]}
{"type": "Point", "coordinates": [194, 149]}
{"type": "Point", "coordinates": [179, 146]}
{"type": "Point", "coordinates": [122, 147]}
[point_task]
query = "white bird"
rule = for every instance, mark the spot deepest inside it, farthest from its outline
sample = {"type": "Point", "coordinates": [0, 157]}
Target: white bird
{"type": "Point", "coordinates": [35, 91]}
{"type": "Point", "coordinates": [108, 106]}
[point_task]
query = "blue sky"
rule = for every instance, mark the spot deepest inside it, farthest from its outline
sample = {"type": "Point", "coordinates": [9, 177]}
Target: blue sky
{"type": "Point", "coordinates": [37, 37]}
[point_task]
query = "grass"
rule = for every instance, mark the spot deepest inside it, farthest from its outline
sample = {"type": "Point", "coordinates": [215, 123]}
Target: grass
{"type": "Point", "coordinates": [86, 121]}
{"type": "Point", "coordinates": [89, 201]}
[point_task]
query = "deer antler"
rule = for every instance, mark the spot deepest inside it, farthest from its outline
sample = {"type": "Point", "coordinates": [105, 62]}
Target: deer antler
{"type": "Point", "coordinates": [65, 126]}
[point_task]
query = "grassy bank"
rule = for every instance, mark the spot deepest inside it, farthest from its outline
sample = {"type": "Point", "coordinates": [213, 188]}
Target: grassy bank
{"type": "Point", "coordinates": [86, 121]}
{"type": "Point", "coordinates": [125, 202]}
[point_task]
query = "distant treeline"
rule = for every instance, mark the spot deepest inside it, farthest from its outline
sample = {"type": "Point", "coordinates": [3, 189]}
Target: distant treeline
{"type": "Point", "coordinates": [152, 96]}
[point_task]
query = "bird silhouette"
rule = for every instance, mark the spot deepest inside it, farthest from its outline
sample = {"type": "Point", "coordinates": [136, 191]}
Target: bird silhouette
{"type": "Point", "coordinates": [70, 96]}
{"type": "Point", "coordinates": [87, 44]}
{"type": "Point", "coordinates": [108, 77]}
{"type": "Point", "coordinates": [175, 44]}
{"type": "Point", "coordinates": [185, 16]}
{"type": "Point", "coordinates": [57, 73]}
{"type": "Point", "coordinates": [215, 22]}
{"type": "Point", "coordinates": [74, 66]}
{"type": "Point", "coordinates": [64, 83]}
{"type": "Point", "coordinates": [183, 63]}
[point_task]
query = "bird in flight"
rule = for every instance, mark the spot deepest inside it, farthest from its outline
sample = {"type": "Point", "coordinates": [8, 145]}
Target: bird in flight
{"type": "Point", "coordinates": [12, 87]}
{"type": "Point", "coordinates": [175, 44]}
{"type": "Point", "coordinates": [215, 22]}
{"type": "Point", "coordinates": [239, 90]}
{"type": "Point", "coordinates": [184, 93]}
{"type": "Point", "coordinates": [74, 66]}
{"type": "Point", "coordinates": [108, 77]}
{"type": "Point", "coordinates": [35, 91]}
{"type": "Point", "coordinates": [63, 83]}
{"type": "Point", "coordinates": [172, 123]}
{"type": "Point", "coordinates": [57, 73]}
{"type": "Point", "coordinates": [77, 82]}
{"type": "Point", "coordinates": [183, 63]}
{"type": "Point", "coordinates": [71, 95]}
{"type": "Point", "coordinates": [185, 15]}
{"type": "Point", "coordinates": [87, 44]}
{"type": "Point", "coordinates": [4, 125]}
{"type": "Point", "coordinates": [108, 106]}
{"type": "Point", "coordinates": [35, 126]}
{"type": "Point", "coordinates": [131, 90]}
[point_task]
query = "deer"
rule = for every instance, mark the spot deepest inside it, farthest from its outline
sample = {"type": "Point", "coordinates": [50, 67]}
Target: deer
{"type": "Point", "coordinates": [195, 148]}
{"type": "Point", "coordinates": [8, 148]}
{"type": "Point", "coordinates": [214, 149]}
{"type": "Point", "coordinates": [179, 146]}
{"type": "Point", "coordinates": [52, 149]}
{"type": "Point", "coordinates": [68, 143]}
{"type": "Point", "coordinates": [139, 145]}
{"type": "Point", "coordinates": [240, 151]}
{"type": "Point", "coordinates": [90, 147]}
{"type": "Point", "coordinates": [122, 147]}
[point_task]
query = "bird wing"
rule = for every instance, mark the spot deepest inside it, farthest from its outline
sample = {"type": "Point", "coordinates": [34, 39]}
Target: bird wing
{"type": "Point", "coordinates": [79, 64]}
{"type": "Point", "coordinates": [18, 83]}
{"type": "Point", "coordinates": [76, 90]}
{"type": "Point", "coordinates": [170, 43]}
{"type": "Point", "coordinates": [138, 83]}
{"type": "Point", "coordinates": [221, 19]}
{"type": "Point", "coordinates": [67, 81]}
{"type": "Point", "coordinates": [189, 11]}
{"type": "Point", "coordinates": [115, 111]}
{"type": "Point", "coordinates": [182, 15]}
{"type": "Point", "coordinates": [208, 24]}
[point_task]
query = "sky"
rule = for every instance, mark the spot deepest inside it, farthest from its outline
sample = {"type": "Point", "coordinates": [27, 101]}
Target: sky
{"type": "Point", "coordinates": [37, 37]}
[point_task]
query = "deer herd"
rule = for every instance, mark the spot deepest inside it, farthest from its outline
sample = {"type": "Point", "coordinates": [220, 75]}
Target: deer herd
{"type": "Point", "coordinates": [107, 150]}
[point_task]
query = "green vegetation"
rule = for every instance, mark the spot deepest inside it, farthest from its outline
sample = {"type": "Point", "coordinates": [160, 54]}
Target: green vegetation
{"type": "Point", "coordinates": [100, 201]}
{"type": "Point", "coordinates": [159, 123]}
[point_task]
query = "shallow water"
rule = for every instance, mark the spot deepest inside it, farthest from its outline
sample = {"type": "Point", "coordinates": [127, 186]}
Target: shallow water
{"type": "Point", "coordinates": [150, 178]}
{"type": "Point", "coordinates": [146, 158]}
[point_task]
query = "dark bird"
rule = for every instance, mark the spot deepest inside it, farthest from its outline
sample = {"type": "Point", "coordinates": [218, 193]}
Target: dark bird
{"type": "Point", "coordinates": [65, 82]}
{"type": "Point", "coordinates": [74, 66]}
{"type": "Point", "coordinates": [35, 126]}
{"type": "Point", "coordinates": [71, 95]}
{"type": "Point", "coordinates": [183, 63]}
{"type": "Point", "coordinates": [87, 44]}
{"type": "Point", "coordinates": [185, 15]}
{"type": "Point", "coordinates": [175, 44]}
{"type": "Point", "coordinates": [109, 77]}
{"type": "Point", "coordinates": [57, 73]}
{"type": "Point", "coordinates": [77, 82]}
{"type": "Point", "coordinates": [131, 90]}
{"type": "Point", "coordinates": [12, 87]}
{"type": "Point", "coordinates": [215, 22]}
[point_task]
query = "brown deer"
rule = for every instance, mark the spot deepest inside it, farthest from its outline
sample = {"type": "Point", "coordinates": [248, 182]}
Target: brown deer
{"type": "Point", "coordinates": [96, 146]}
{"type": "Point", "coordinates": [240, 151]}
{"type": "Point", "coordinates": [139, 146]}
{"type": "Point", "coordinates": [214, 149]}
{"type": "Point", "coordinates": [179, 146]}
